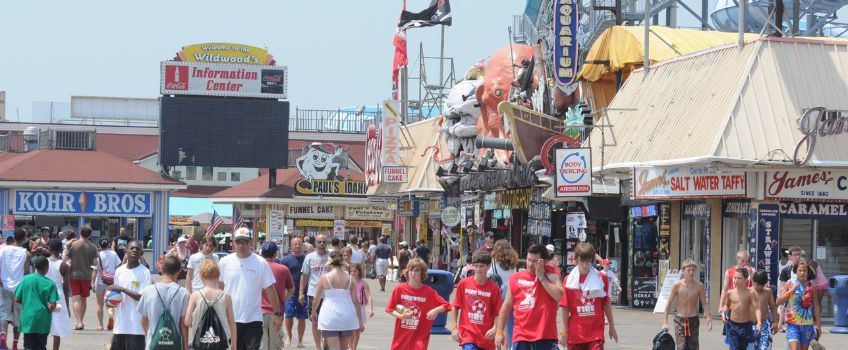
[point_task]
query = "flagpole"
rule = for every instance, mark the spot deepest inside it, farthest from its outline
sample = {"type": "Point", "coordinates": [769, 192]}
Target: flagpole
{"type": "Point", "coordinates": [442, 69]}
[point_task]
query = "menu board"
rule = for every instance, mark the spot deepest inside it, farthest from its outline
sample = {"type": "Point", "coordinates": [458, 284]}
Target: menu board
{"type": "Point", "coordinates": [539, 217]}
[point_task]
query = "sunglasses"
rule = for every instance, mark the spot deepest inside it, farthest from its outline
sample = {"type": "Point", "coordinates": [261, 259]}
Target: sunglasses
{"type": "Point", "coordinates": [325, 242]}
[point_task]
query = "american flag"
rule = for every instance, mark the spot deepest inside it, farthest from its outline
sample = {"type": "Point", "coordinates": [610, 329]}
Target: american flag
{"type": "Point", "coordinates": [238, 220]}
{"type": "Point", "coordinates": [214, 223]}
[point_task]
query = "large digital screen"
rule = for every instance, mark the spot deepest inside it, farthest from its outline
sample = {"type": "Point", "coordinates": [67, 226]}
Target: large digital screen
{"type": "Point", "coordinates": [224, 132]}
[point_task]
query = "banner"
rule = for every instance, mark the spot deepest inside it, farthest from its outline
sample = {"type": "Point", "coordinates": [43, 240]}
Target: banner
{"type": "Point", "coordinates": [574, 172]}
{"type": "Point", "coordinates": [232, 80]}
{"type": "Point", "coordinates": [768, 236]}
{"type": "Point", "coordinates": [819, 185]}
{"type": "Point", "coordinates": [311, 212]}
{"type": "Point", "coordinates": [814, 210]}
{"type": "Point", "coordinates": [565, 48]}
{"type": "Point", "coordinates": [368, 212]}
{"type": "Point", "coordinates": [78, 203]}
{"type": "Point", "coordinates": [276, 224]}
{"type": "Point", "coordinates": [339, 229]}
{"type": "Point", "coordinates": [390, 134]}
{"type": "Point", "coordinates": [688, 182]}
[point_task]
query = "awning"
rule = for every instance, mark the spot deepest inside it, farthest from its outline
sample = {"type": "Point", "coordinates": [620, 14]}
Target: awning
{"type": "Point", "coordinates": [623, 47]}
{"type": "Point", "coordinates": [727, 106]}
{"type": "Point", "coordinates": [421, 145]}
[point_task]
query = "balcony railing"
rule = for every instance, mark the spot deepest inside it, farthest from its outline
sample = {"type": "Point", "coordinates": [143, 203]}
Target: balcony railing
{"type": "Point", "coordinates": [333, 121]}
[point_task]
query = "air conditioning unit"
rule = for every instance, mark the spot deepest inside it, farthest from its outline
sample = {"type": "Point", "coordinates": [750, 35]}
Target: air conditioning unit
{"type": "Point", "coordinates": [73, 139]}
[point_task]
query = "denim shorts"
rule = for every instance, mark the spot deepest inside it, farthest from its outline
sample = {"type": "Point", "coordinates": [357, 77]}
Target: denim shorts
{"type": "Point", "coordinates": [802, 334]}
{"type": "Point", "coordinates": [340, 334]}
{"type": "Point", "coordinates": [294, 309]}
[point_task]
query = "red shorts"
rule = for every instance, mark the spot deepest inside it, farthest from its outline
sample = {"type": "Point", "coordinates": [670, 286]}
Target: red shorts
{"type": "Point", "coordinates": [592, 345]}
{"type": "Point", "coordinates": [80, 287]}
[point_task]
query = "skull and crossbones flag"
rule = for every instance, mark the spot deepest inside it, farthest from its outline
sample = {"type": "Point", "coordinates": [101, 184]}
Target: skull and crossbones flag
{"type": "Point", "coordinates": [437, 13]}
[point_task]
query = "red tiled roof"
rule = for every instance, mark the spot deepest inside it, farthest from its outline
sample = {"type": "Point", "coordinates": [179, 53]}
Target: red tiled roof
{"type": "Point", "coordinates": [128, 147]}
{"type": "Point", "coordinates": [286, 179]}
{"type": "Point", "coordinates": [197, 191]}
{"type": "Point", "coordinates": [75, 166]}
{"type": "Point", "coordinates": [356, 150]}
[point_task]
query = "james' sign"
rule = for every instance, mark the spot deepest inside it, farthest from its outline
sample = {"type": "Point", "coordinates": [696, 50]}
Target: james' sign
{"type": "Point", "coordinates": [820, 185]}
{"type": "Point", "coordinates": [565, 47]}
{"type": "Point", "coordinates": [815, 123]}
{"type": "Point", "coordinates": [688, 182]}
{"type": "Point", "coordinates": [37, 202]}
{"type": "Point", "coordinates": [210, 79]}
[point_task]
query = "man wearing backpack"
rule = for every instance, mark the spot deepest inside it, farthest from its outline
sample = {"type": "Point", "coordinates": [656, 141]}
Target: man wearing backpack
{"type": "Point", "coordinates": [162, 308]}
{"type": "Point", "coordinates": [130, 279]}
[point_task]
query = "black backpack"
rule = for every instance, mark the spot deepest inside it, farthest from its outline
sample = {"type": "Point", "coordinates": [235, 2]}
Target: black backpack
{"type": "Point", "coordinates": [210, 333]}
{"type": "Point", "coordinates": [663, 341]}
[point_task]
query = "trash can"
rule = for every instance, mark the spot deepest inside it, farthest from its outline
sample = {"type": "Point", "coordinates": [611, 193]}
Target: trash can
{"type": "Point", "coordinates": [442, 282]}
{"type": "Point", "coordinates": [838, 286]}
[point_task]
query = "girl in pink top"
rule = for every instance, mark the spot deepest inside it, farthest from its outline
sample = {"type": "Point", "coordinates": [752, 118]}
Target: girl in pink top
{"type": "Point", "coordinates": [363, 296]}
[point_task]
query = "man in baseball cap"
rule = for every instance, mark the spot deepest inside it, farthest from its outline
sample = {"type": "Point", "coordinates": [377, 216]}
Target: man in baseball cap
{"type": "Point", "coordinates": [246, 276]}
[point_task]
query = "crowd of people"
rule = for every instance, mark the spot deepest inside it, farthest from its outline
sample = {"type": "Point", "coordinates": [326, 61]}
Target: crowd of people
{"type": "Point", "coordinates": [242, 300]}
{"type": "Point", "coordinates": [748, 308]}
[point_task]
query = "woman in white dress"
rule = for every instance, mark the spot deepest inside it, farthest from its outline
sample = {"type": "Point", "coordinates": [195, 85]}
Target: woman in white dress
{"type": "Point", "coordinates": [339, 316]}
{"type": "Point", "coordinates": [60, 326]}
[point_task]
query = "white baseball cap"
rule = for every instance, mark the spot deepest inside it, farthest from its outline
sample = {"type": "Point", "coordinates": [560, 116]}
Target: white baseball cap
{"type": "Point", "coordinates": [550, 248]}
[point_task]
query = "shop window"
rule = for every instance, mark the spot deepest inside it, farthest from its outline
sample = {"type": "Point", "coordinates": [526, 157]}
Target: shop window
{"type": "Point", "coordinates": [178, 174]}
{"type": "Point", "coordinates": [831, 253]}
{"type": "Point", "coordinates": [191, 173]}
{"type": "Point", "coordinates": [234, 176]}
{"type": "Point", "coordinates": [695, 236]}
{"type": "Point", "coordinates": [207, 173]}
{"type": "Point", "coordinates": [736, 232]}
{"type": "Point", "coordinates": [222, 176]}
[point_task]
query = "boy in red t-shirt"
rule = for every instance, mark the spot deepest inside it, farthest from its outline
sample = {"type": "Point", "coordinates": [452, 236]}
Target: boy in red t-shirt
{"type": "Point", "coordinates": [415, 306]}
{"type": "Point", "coordinates": [585, 304]}
{"type": "Point", "coordinates": [532, 297]}
{"type": "Point", "coordinates": [476, 307]}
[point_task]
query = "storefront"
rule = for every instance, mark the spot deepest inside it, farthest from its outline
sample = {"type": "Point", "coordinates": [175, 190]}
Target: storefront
{"type": "Point", "coordinates": [322, 195]}
{"type": "Point", "coordinates": [65, 190]}
{"type": "Point", "coordinates": [724, 161]}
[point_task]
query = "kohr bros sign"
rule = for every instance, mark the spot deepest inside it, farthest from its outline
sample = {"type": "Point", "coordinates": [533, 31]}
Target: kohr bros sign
{"type": "Point", "coordinates": [79, 203]}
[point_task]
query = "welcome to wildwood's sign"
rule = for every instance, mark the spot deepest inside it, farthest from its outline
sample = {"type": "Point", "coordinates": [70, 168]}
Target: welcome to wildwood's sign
{"type": "Point", "coordinates": [688, 182]}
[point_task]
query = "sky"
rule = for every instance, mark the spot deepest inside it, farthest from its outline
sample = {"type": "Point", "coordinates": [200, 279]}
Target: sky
{"type": "Point", "coordinates": [339, 53]}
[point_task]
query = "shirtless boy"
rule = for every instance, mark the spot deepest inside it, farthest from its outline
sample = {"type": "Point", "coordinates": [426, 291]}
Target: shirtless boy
{"type": "Point", "coordinates": [741, 301]}
{"type": "Point", "coordinates": [768, 310]}
{"type": "Point", "coordinates": [687, 292]}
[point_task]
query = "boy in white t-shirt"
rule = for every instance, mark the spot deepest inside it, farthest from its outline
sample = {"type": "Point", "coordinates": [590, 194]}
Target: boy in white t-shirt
{"type": "Point", "coordinates": [130, 279]}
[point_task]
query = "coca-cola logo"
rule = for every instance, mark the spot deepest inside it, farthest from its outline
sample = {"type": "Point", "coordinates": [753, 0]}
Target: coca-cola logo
{"type": "Point", "coordinates": [814, 123]}
{"type": "Point", "coordinates": [272, 78]}
{"type": "Point", "coordinates": [176, 77]}
{"type": "Point", "coordinates": [782, 180]}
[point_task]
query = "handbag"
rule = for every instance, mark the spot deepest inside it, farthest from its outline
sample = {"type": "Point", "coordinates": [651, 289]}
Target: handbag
{"type": "Point", "coordinates": [107, 277]}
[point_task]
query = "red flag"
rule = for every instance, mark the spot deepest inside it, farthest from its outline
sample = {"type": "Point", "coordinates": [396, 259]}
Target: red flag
{"type": "Point", "coordinates": [401, 58]}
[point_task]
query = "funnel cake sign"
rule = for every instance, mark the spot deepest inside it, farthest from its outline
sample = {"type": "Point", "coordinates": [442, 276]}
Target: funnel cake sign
{"type": "Point", "coordinates": [688, 182]}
